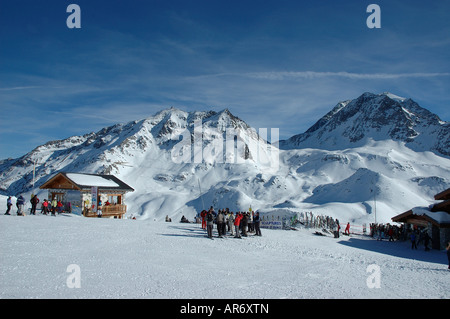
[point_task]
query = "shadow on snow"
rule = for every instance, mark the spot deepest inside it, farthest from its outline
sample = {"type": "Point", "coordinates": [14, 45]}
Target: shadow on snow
{"type": "Point", "coordinates": [186, 231]}
{"type": "Point", "coordinates": [398, 249]}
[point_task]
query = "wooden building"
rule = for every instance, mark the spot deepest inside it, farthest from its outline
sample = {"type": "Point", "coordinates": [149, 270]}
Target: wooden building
{"type": "Point", "coordinates": [436, 219]}
{"type": "Point", "coordinates": [443, 206]}
{"type": "Point", "coordinates": [76, 189]}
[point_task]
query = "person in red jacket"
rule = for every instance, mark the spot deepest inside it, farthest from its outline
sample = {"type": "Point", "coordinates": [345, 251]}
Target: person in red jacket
{"type": "Point", "coordinates": [59, 207]}
{"type": "Point", "coordinates": [347, 229]}
{"type": "Point", "coordinates": [391, 233]}
{"type": "Point", "coordinates": [45, 207]}
{"type": "Point", "coordinates": [203, 215]}
{"type": "Point", "coordinates": [237, 221]}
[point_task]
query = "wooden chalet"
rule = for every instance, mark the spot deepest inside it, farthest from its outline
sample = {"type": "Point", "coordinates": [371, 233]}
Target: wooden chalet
{"type": "Point", "coordinates": [435, 218]}
{"type": "Point", "coordinates": [76, 189]}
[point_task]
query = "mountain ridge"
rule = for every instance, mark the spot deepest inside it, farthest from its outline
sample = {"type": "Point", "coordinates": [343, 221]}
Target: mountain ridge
{"type": "Point", "coordinates": [376, 116]}
{"type": "Point", "coordinates": [319, 178]}
{"type": "Point", "coordinates": [119, 141]}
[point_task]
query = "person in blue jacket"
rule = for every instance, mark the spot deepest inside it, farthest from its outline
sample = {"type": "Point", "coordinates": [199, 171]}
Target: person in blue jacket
{"type": "Point", "coordinates": [20, 202]}
{"type": "Point", "coordinates": [256, 221]}
{"type": "Point", "coordinates": [8, 205]}
{"type": "Point", "coordinates": [413, 240]}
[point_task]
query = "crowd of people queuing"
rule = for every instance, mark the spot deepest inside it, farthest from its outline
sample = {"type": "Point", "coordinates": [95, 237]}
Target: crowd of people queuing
{"type": "Point", "coordinates": [52, 207]}
{"type": "Point", "coordinates": [416, 235]}
{"type": "Point", "coordinates": [238, 224]}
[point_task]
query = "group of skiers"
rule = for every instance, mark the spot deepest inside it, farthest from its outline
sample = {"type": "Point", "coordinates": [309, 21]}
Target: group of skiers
{"type": "Point", "coordinates": [393, 232]}
{"type": "Point", "coordinates": [238, 225]}
{"type": "Point", "coordinates": [47, 207]}
{"type": "Point", "coordinates": [380, 231]}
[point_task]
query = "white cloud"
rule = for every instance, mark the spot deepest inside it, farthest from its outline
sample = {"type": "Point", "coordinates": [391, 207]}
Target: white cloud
{"type": "Point", "coordinates": [314, 74]}
{"type": "Point", "coordinates": [20, 88]}
{"type": "Point", "coordinates": [285, 75]}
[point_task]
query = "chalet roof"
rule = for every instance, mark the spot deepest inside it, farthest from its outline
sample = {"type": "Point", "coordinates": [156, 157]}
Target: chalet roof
{"type": "Point", "coordinates": [439, 218]}
{"type": "Point", "coordinates": [86, 181]}
{"type": "Point", "coordinates": [445, 195]}
{"type": "Point", "coordinates": [438, 214]}
{"type": "Point", "coordinates": [443, 206]}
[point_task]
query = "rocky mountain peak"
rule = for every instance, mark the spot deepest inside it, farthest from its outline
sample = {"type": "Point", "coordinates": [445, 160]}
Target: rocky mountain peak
{"type": "Point", "coordinates": [379, 117]}
{"type": "Point", "coordinates": [101, 151]}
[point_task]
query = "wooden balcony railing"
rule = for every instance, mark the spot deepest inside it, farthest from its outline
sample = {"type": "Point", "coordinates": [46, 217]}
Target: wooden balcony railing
{"type": "Point", "coordinates": [108, 211]}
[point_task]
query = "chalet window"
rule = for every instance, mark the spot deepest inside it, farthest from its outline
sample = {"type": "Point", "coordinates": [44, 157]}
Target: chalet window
{"type": "Point", "coordinates": [114, 199]}
{"type": "Point", "coordinates": [58, 196]}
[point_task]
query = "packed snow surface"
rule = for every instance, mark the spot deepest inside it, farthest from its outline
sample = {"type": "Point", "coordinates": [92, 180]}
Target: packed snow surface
{"type": "Point", "coordinates": [146, 259]}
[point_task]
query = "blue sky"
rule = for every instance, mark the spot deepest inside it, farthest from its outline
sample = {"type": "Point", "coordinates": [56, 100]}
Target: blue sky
{"type": "Point", "coordinates": [277, 63]}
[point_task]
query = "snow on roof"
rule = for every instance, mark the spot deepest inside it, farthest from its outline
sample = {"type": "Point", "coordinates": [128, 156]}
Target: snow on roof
{"type": "Point", "coordinates": [91, 180]}
{"type": "Point", "coordinates": [440, 217]}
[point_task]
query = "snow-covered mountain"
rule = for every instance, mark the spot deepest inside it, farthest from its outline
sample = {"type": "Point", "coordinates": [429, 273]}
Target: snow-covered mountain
{"type": "Point", "coordinates": [376, 117]}
{"type": "Point", "coordinates": [114, 148]}
{"type": "Point", "coordinates": [377, 153]}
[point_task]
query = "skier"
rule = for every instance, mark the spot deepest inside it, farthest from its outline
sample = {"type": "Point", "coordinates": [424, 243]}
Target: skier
{"type": "Point", "coordinates": [8, 205]}
{"type": "Point", "coordinates": [45, 207]}
{"type": "Point", "coordinates": [231, 223]}
{"type": "Point", "coordinates": [244, 224]}
{"type": "Point", "coordinates": [391, 233]}
{"type": "Point", "coordinates": [227, 226]}
{"type": "Point", "coordinates": [59, 207]}
{"type": "Point", "coordinates": [54, 204]}
{"type": "Point", "coordinates": [20, 202]}
{"type": "Point", "coordinates": [209, 222]}
{"type": "Point", "coordinates": [99, 209]}
{"type": "Point", "coordinates": [220, 220]}
{"type": "Point", "coordinates": [203, 215]}
{"type": "Point", "coordinates": [256, 221]}
{"type": "Point", "coordinates": [34, 201]}
{"type": "Point", "coordinates": [380, 233]}
{"type": "Point", "coordinates": [237, 221]}
{"type": "Point", "coordinates": [347, 229]}
{"type": "Point", "coordinates": [413, 240]}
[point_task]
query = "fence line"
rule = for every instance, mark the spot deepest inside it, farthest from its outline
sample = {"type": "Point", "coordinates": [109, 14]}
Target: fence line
{"type": "Point", "coordinates": [310, 220]}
